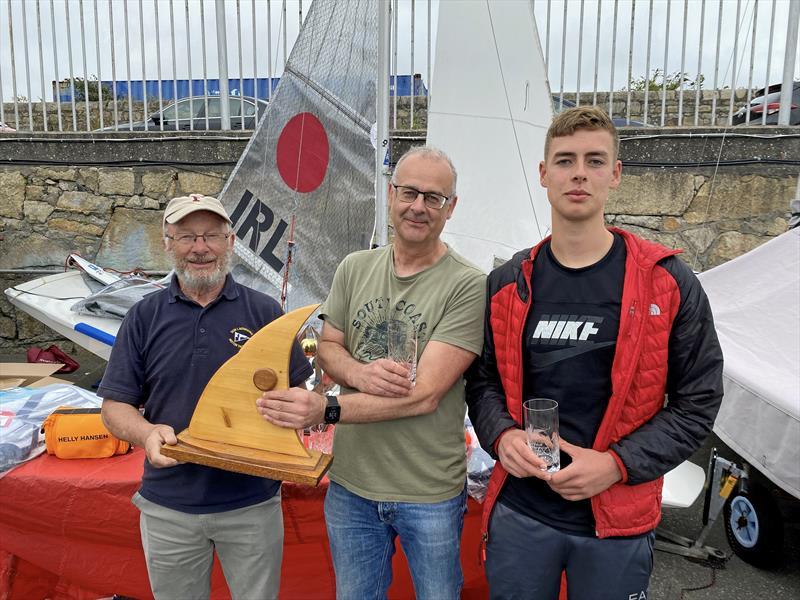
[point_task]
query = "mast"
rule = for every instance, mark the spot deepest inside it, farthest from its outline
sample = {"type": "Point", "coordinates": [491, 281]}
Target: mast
{"type": "Point", "coordinates": [382, 118]}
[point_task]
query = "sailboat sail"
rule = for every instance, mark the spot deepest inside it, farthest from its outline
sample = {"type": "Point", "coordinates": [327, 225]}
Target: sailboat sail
{"type": "Point", "coordinates": [306, 179]}
{"type": "Point", "coordinates": [490, 110]}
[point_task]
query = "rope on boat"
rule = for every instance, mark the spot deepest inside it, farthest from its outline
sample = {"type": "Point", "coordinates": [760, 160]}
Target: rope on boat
{"type": "Point", "coordinates": [289, 253]}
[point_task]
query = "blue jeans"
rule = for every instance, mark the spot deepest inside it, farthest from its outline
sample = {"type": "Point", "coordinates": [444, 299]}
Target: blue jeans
{"type": "Point", "coordinates": [362, 534]}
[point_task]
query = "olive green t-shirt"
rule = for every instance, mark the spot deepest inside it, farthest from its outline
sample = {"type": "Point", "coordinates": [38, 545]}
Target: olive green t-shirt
{"type": "Point", "coordinates": [411, 459]}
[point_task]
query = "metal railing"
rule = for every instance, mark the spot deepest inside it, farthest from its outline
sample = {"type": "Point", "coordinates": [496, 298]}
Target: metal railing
{"type": "Point", "coordinates": [133, 55]}
{"type": "Point", "coordinates": [84, 65]}
{"type": "Point", "coordinates": [754, 45]}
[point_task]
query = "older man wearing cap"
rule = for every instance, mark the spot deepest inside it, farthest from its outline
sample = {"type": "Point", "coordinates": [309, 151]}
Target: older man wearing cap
{"type": "Point", "coordinates": [167, 349]}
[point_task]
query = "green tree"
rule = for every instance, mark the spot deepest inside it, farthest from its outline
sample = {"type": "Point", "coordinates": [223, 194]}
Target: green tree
{"type": "Point", "coordinates": [80, 85]}
{"type": "Point", "coordinates": [655, 82]}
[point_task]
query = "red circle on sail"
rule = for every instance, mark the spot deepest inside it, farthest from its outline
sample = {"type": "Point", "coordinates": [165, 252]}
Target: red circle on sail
{"type": "Point", "coordinates": [303, 153]}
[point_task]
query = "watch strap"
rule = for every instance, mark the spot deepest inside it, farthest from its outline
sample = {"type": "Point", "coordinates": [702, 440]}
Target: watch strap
{"type": "Point", "coordinates": [332, 409]}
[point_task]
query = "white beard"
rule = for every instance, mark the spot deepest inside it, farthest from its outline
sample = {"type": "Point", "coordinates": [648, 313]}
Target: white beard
{"type": "Point", "coordinates": [202, 283]}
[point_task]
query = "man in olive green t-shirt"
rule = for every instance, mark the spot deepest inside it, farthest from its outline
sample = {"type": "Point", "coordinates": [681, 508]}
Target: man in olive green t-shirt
{"type": "Point", "coordinates": [400, 459]}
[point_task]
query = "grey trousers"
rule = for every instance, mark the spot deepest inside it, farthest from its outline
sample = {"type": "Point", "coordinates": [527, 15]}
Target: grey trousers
{"type": "Point", "coordinates": [525, 558]}
{"type": "Point", "coordinates": [179, 550]}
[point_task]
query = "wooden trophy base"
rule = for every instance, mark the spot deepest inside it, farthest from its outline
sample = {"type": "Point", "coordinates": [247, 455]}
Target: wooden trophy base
{"type": "Point", "coordinates": [250, 461]}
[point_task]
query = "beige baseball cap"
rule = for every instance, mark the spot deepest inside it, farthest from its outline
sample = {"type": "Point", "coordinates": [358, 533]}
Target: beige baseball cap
{"type": "Point", "coordinates": [179, 207]}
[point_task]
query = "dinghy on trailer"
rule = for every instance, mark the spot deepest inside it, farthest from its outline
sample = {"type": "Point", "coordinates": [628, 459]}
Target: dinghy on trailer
{"type": "Point", "coordinates": [755, 299]}
{"type": "Point", "coordinates": [50, 299]}
{"type": "Point", "coordinates": [85, 304]}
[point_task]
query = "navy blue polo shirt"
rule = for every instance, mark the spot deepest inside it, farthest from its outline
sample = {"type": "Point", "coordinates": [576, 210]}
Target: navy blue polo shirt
{"type": "Point", "coordinates": [166, 351]}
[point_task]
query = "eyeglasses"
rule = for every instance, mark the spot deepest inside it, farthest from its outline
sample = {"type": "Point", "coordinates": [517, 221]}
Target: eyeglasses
{"type": "Point", "coordinates": [408, 194]}
{"type": "Point", "coordinates": [188, 239]}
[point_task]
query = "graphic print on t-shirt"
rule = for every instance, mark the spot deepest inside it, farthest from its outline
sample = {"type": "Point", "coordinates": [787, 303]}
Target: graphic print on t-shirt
{"type": "Point", "coordinates": [372, 319]}
{"type": "Point", "coordinates": [574, 331]}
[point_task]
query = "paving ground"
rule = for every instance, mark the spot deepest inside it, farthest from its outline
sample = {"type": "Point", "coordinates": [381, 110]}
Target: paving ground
{"type": "Point", "coordinates": [674, 577]}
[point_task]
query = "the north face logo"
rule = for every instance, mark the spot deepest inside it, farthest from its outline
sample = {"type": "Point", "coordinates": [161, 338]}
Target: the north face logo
{"type": "Point", "coordinates": [655, 310]}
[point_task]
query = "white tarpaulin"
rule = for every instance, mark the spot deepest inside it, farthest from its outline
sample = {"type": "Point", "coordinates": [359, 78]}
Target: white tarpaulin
{"type": "Point", "coordinates": [756, 303]}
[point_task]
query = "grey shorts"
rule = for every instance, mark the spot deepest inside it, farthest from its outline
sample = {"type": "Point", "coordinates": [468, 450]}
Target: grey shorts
{"type": "Point", "coordinates": [525, 559]}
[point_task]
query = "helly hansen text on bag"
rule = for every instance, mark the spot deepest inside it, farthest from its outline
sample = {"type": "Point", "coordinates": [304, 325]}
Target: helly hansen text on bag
{"type": "Point", "coordinates": [80, 433]}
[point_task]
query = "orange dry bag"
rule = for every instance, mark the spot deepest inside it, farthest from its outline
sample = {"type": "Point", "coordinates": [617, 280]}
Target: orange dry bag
{"type": "Point", "coordinates": [80, 433]}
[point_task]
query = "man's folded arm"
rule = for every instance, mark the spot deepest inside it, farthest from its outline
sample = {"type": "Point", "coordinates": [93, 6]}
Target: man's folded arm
{"type": "Point", "coordinates": [486, 399]}
{"type": "Point", "coordinates": [334, 358]}
{"type": "Point", "coordinates": [438, 369]}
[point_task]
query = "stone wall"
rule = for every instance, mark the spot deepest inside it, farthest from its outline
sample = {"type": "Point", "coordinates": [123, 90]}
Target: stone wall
{"type": "Point", "coordinates": [713, 110]}
{"type": "Point", "coordinates": [714, 106]}
{"type": "Point", "coordinates": [716, 195]}
{"type": "Point", "coordinates": [713, 219]}
{"type": "Point", "coordinates": [108, 215]}
{"type": "Point", "coordinates": [718, 100]}
{"type": "Point", "coordinates": [74, 120]}
{"type": "Point", "coordinates": [112, 214]}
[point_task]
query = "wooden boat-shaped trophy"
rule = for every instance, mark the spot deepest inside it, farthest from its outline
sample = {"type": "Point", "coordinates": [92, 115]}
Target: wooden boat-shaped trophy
{"type": "Point", "coordinates": [226, 430]}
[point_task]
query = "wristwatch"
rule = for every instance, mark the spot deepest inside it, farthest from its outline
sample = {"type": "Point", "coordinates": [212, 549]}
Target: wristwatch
{"type": "Point", "coordinates": [332, 410]}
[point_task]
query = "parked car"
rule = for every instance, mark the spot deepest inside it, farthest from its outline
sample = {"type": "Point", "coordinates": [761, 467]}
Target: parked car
{"type": "Point", "coordinates": [769, 101]}
{"type": "Point", "coordinates": [190, 113]}
{"type": "Point", "coordinates": [618, 121]}
{"type": "Point", "coordinates": [5, 128]}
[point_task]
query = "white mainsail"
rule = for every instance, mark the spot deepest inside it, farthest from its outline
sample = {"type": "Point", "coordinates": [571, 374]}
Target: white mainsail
{"type": "Point", "coordinates": [489, 110]}
{"type": "Point", "coordinates": [310, 159]}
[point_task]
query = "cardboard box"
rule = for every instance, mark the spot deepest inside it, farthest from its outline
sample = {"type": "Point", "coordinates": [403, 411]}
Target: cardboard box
{"type": "Point", "coordinates": [29, 375]}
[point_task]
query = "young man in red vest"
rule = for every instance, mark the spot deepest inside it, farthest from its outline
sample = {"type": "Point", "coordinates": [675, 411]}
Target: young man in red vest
{"type": "Point", "coordinates": [606, 324]}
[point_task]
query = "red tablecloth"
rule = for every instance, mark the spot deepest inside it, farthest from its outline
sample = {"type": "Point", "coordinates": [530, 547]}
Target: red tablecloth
{"type": "Point", "coordinates": [69, 531]}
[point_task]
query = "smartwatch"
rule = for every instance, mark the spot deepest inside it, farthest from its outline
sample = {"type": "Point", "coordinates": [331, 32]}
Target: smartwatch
{"type": "Point", "coordinates": [332, 410]}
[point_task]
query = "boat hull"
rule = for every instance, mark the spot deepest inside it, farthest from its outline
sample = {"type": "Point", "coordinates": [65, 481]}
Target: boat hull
{"type": "Point", "coordinates": [48, 299]}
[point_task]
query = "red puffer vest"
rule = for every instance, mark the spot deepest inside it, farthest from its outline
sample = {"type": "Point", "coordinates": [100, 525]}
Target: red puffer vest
{"type": "Point", "coordinates": [650, 301]}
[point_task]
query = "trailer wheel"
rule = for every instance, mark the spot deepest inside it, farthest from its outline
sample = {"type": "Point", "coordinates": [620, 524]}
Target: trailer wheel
{"type": "Point", "coordinates": [754, 527]}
